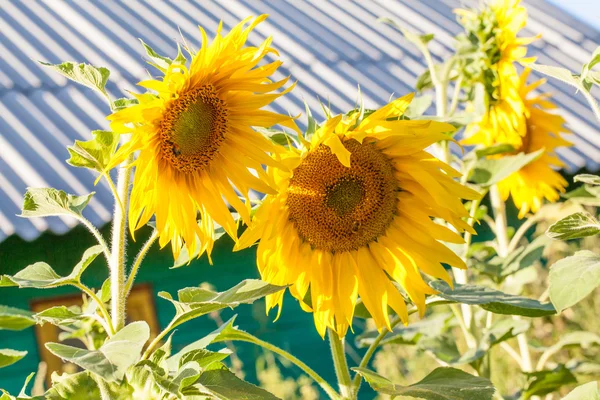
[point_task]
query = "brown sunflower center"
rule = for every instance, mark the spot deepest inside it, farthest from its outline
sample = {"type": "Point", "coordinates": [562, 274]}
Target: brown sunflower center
{"type": "Point", "coordinates": [193, 128]}
{"type": "Point", "coordinates": [335, 208]}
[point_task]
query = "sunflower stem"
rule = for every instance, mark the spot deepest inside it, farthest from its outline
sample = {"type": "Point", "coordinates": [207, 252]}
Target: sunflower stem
{"type": "Point", "coordinates": [117, 261]}
{"type": "Point", "coordinates": [305, 368]}
{"type": "Point", "coordinates": [138, 261]}
{"type": "Point", "coordinates": [371, 350]}
{"type": "Point", "coordinates": [503, 249]}
{"type": "Point", "coordinates": [105, 320]}
{"type": "Point", "coordinates": [341, 365]}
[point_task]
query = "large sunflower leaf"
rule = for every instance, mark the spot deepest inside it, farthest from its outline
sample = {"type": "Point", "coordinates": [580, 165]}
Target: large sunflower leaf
{"type": "Point", "coordinates": [223, 384]}
{"type": "Point", "coordinates": [589, 391]}
{"type": "Point", "coordinates": [113, 358]}
{"type": "Point", "coordinates": [588, 178]}
{"type": "Point", "coordinates": [493, 300]}
{"type": "Point", "coordinates": [93, 77]}
{"type": "Point", "coordinates": [199, 344]}
{"type": "Point", "coordinates": [444, 347]}
{"type": "Point", "coordinates": [488, 172]}
{"type": "Point", "coordinates": [48, 202]}
{"type": "Point", "coordinates": [575, 226]}
{"type": "Point", "coordinates": [573, 278]}
{"type": "Point", "coordinates": [59, 315]}
{"type": "Point", "coordinates": [547, 381]}
{"type": "Point", "coordinates": [10, 356]}
{"type": "Point", "coordinates": [194, 302]}
{"type": "Point", "coordinates": [79, 386]}
{"type": "Point", "coordinates": [96, 153]}
{"type": "Point", "coordinates": [15, 319]}
{"type": "Point", "coordinates": [41, 275]}
{"type": "Point", "coordinates": [441, 384]}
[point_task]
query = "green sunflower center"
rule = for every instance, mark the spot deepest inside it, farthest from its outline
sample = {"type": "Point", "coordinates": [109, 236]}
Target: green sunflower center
{"type": "Point", "coordinates": [337, 209]}
{"type": "Point", "coordinates": [193, 128]}
{"type": "Point", "coordinates": [344, 195]}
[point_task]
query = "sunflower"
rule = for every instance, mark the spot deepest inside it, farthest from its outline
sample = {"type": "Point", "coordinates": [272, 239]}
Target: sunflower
{"type": "Point", "coordinates": [538, 180]}
{"type": "Point", "coordinates": [196, 143]}
{"type": "Point", "coordinates": [496, 28]}
{"type": "Point", "coordinates": [354, 215]}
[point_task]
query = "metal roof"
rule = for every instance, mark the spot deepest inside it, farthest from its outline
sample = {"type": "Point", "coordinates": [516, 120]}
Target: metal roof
{"type": "Point", "coordinates": [329, 47]}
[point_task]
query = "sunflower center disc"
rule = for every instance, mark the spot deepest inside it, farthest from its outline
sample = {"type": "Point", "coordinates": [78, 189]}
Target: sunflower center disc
{"type": "Point", "coordinates": [336, 208]}
{"type": "Point", "coordinates": [193, 129]}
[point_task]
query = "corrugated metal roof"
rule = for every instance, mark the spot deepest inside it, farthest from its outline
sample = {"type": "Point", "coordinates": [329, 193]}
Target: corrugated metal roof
{"type": "Point", "coordinates": [329, 47]}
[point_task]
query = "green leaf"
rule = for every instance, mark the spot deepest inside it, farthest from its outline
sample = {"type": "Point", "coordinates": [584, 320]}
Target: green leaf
{"type": "Point", "coordinates": [581, 339]}
{"type": "Point", "coordinates": [40, 275]}
{"type": "Point", "coordinates": [499, 332]}
{"type": "Point", "coordinates": [9, 356]}
{"type": "Point", "coordinates": [418, 106]}
{"type": "Point", "coordinates": [311, 124]}
{"type": "Point", "coordinates": [47, 202]}
{"type": "Point", "coordinates": [424, 81]}
{"type": "Point", "coordinates": [84, 74]}
{"type": "Point", "coordinates": [113, 358]}
{"type": "Point", "coordinates": [14, 319]}
{"type": "Point", "coordinates": [105, 291]}
{"type": "Point", "coordinates": [523, 257]}
{"type": "Point", "coordinates": [185, 258]}
{"type": "Point", "coordinates": [186, 376]}
{"type": "Point", "coordinates": [562, 74]}
{"type": "Point", "coordinates": [587, 67]}
{"type": "Point", "coordinates": [589, 391]}
{"type": "Point", "coordinates": [96, 153]}
{"type": "Point", "coordinates": [278, 136]}
{"type": "Point", "coordinates": [195, 302]}
{"type": "Point", "coordinates": [587, 178]}
{"type": "Point", "coordinates": [160, 355]}
{"type": "Point", "coordinates": [59, 315]}
{"type": "Point", "coordinates": [6, 282]}
{"type": "Point", "coordinates": [544, 382]}
{"type": "Point", "coordinates": [24, 388]}
{"type": "Point", "coordinates": [200, 344]}
{"type": "Point", "coordinates": [493, 300]}
{"type": "Point", "coordinates": [124, 102]}
{"type": "Point", "coordinates": [441, 384]}
{"type": "Point", "coordinates": [575, 226]}
{"type": "Point", "coordinates": [573, 278]}
{"type": "Point", "coordinates": [79, 386]}
{"type": "Point", "coordinates": [488, 172]}
{"type": "Point", "coordinates": [144, 377]}
{"type": "Point", "coordinates": [160, 62]}
{"type": "Point", "coordinates": [418, 40]}
{"type": "Point", "coordinates": [224, 385]}
{"type": "Point", "coordinates": [203, 357]}
{"type": "Point", "coordinates": [495, 149]}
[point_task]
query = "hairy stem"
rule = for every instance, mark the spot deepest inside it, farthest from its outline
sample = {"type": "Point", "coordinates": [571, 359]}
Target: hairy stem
{"type": "Point", "coordinates": [157, 340]}
{"type": "Point", "coordinates": [103, 387]}
{"type": "Point", "coordinates": [341, 365]}
{"type": "Point", "coordinates": [305, 368]}
{"type": "Point", "coordinates": [503, 249]}
{"type": "Point", "coordinates": [500, 221]}
{"type": "Point", "coordinates": [138, 261]}
{"type": "Point", "coordinates": [99, 238]}
{"type": "Point", "coordinates": [455, 96]}
{"type": "Point", "coordinates": [117, 262]}
{"type": "Point", "coordinates": [371, 350]}
{"type": "Point", "coordinates": [106, 316]}
{"type": "Point", "coordinates": [529, 222]}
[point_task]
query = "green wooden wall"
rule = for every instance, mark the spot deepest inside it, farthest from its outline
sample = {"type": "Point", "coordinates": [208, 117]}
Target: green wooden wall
{"type": "Point", "coordinates": [294, 331]}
